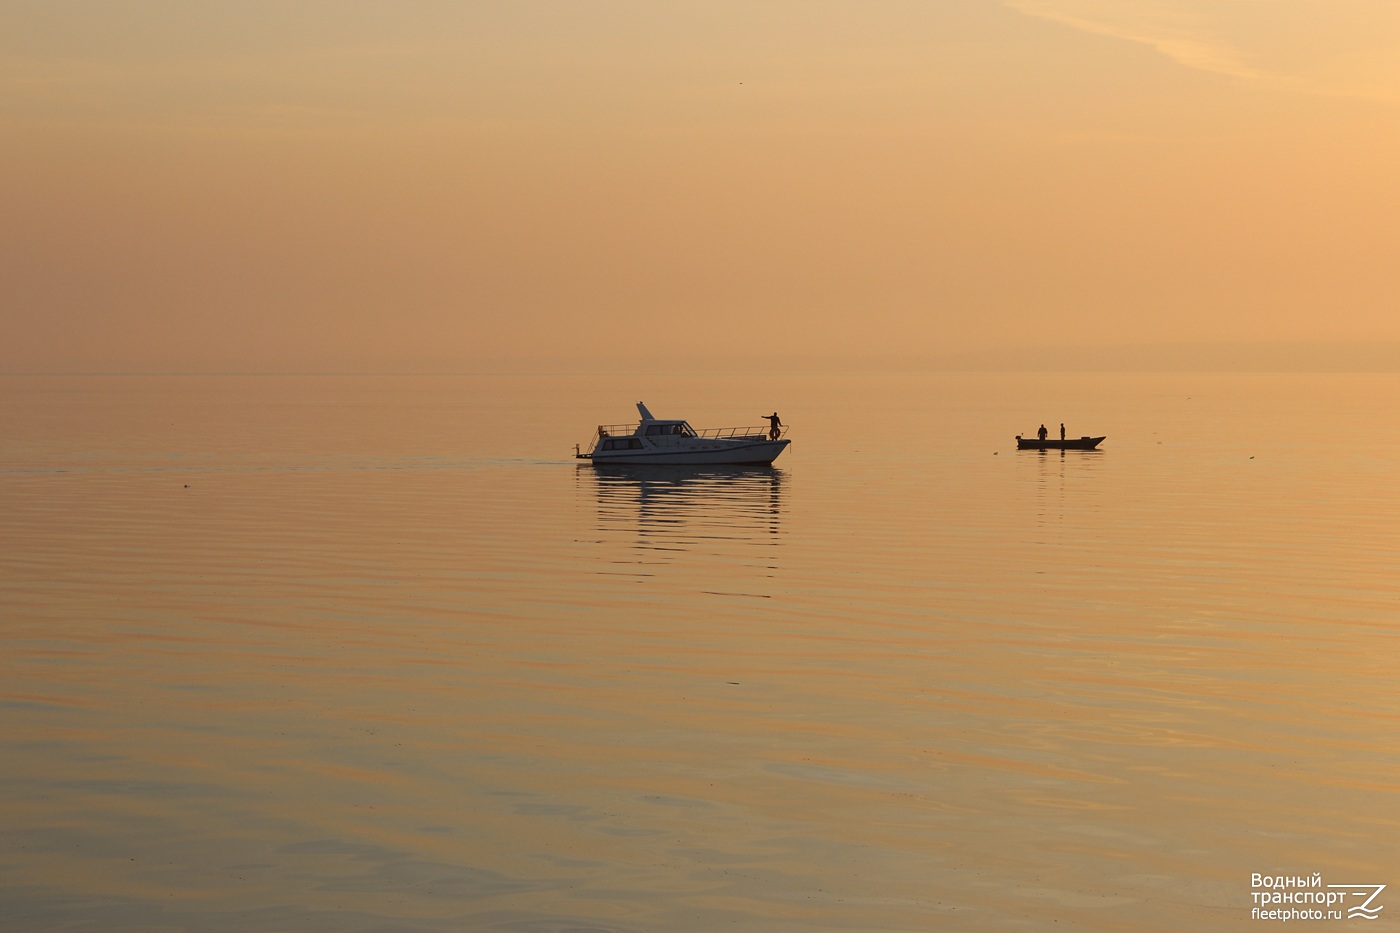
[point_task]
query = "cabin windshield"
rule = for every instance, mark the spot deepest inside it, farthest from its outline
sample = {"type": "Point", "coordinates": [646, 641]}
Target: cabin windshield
{"type": "Point", "coordinates": [679, 428]}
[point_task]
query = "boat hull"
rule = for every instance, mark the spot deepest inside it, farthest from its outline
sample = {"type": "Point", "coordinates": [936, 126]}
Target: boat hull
{"type": "Point", "coordinates": [1070, 443]}
{"type": "Point", "coordinates": [752, 452]}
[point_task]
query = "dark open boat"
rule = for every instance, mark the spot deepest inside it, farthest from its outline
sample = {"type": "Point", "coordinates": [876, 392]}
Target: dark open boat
{"type": "Point", "coordinates": [1069, 443]}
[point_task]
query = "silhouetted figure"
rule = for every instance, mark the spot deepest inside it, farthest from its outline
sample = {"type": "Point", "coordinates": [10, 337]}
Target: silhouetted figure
{"type": "Point", "coordinates": [1062, 430]}
{"type": "Point", "coordinates": [1042, 433]}
{"type": "Point", "coordinates": [774, 431]}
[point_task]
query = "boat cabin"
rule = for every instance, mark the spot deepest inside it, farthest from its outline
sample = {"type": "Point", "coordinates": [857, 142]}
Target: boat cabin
{"type": "Point", "coordinates": [665, 429]}
{"type": "Point", "coordinates": [673, 440]}
{"type": "Point", "coordinates": [629, 437]}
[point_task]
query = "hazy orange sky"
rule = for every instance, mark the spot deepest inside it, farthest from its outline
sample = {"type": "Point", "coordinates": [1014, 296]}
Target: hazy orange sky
{"type": "Point", "coordinates": [213, 185]}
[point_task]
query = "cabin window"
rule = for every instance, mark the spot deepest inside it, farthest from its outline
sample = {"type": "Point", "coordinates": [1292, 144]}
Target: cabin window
{"type": "Point", "coordinates": [622, 443]}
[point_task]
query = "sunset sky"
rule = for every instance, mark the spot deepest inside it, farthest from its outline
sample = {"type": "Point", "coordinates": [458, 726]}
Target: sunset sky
{"type": "Point", "coordinates": [268, 185]}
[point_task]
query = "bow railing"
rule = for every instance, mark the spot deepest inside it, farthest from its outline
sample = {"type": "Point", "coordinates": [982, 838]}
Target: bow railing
{"type": "Point", "coordinates": [718, 433]}
{"type": "Point", "coordinates": [750, 432]}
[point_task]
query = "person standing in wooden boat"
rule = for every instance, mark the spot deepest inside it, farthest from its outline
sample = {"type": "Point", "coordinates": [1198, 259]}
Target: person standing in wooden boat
{"type": "Point", "coordinates": [1042, 442]}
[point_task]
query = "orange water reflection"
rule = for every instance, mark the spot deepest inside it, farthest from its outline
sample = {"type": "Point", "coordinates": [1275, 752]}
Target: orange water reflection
{"type": "Point", "coordinates": [383, 679]}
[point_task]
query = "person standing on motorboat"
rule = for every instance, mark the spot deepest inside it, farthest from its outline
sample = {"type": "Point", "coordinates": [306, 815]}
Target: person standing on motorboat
{"type": "Point", "coordinates": [1042, 433]}
{"type": "Point", "coordinates": [776, 424]}
{"type": "Point", "coordinates": [1062, 430]}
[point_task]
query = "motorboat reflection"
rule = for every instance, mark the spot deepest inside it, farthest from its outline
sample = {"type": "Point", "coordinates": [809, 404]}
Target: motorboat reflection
{"type": "Point", "coordinates": [666, 508]}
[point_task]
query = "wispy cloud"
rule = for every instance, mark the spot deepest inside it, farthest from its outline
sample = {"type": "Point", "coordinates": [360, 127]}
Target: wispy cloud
{"type": "Point", "coordinates": [1320, 48]}
{"type": "Point", "coordinates": [1175, 29]}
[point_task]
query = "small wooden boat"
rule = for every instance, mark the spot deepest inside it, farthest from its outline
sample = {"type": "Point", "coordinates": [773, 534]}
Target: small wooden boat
{"type": "Point", "coordinates": [1070, 443]}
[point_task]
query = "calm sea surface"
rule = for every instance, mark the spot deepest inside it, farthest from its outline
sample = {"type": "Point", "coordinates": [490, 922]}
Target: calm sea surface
{"type": "Point", "coordinates": [375, 653]}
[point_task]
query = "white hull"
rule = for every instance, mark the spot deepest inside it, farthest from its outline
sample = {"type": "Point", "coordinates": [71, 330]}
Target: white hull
{"type": "Point", "coordinates": [701, 454]}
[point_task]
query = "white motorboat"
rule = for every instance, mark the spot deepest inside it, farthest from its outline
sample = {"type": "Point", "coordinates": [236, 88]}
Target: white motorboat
{"type": "Point", "coordinates": [664, 441]}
